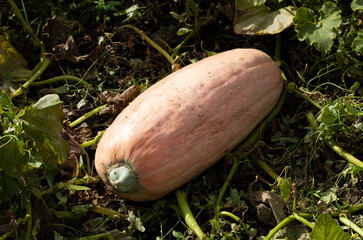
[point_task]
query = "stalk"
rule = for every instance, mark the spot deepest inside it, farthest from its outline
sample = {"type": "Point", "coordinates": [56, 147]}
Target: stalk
{"type": "Point", "coordinates": [151, 42]}
{"type": "Point", "coordinates": [267, 169]}
{"type": "Point", "coordinates": [332, 144]}
{"type": "Point", "coordinates": [226, 183]}
{"type": "Point", "coordinates": [32, 79]}
{"type": "Point", "coordinates": [352, 225]}
{"type": "Point", "coordinates": [61, 78]}
{"type": "Point", "coordinates": [93, 141]}
{"type": "Point", "coordinates": [105, 211]}
{"type": "Point", "coordinates": [231, 215]}
{"type": "Point", "coordinates": [292, 87]}
{"type": "Point", "coordinates": [188, 215]}
{"type": "Point", "coordinates": [185, 40]}
{"type": "Point", "coordinates": [303, 220]}
{"type": "Point", "coordinates": [62, 185]}
{"type": "Point", "coordinates": [279, 226]}
{"type": "Point", "coordinates": [36, 40]}
{"type": "Point", "coordinates": [27, 219]}
{"type": "Point", "coordinates": [87, 115]}
{"type": "Point", "coordinates": [286, 221]}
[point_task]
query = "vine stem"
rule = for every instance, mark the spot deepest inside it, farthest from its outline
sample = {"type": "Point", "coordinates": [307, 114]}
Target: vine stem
{"type": "Point", "coordinates": [32, 79]}
{"type": "Point", "coordinates": [93, 141]}
{"type": "Point", "coordinates": [27, 219]}
{"type": "Point", "coordinates": [332, 144]}
{"type": "Point", "coordinates": [188, 215]}
{"type": "Point", "coordinates": [267, 169]}
{"type": "Point", "coordinates": [226, 183]}
{"type": "Point", "coordinates": [87, 115]}
{"type": "Point", "coordinates": [352, 225]}
{"type": "Point", "coordinates": [60, 78]}
{"type": "Point", "coordinates": [285, 222]}
{"type": "Point", "coordinates": [231, 215]}
{"type": "Point", "coordinates": [151, 42]}
{"type": "Point", "coordinates": [27, 27]}
{"type": "Point", "coordinates": [292, 87]}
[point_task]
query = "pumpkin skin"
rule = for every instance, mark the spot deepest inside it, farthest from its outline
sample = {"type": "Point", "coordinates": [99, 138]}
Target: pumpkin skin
{"type": "Point", "coordinates": [186, 122]}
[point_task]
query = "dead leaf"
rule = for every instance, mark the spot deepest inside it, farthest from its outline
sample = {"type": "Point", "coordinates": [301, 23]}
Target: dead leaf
{"type": "Point", "coordinates": [69, 51]}
{"type": "Point", "coordinates": [116, 102]}
{"type": "Point", "coordinates": [70, 166]}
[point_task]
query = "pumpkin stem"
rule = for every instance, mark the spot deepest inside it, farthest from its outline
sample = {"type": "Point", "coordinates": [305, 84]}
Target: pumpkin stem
{"type": "Point", "coordinates": [121, 179]}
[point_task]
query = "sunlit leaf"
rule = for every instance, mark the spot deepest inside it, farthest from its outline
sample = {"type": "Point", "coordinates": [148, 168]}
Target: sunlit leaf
{"type": "Point", "coordinates": [260, 20]}
{"type": "Point", "coordinates": [257, 2]}
{"type": "Point", "coordinates": [357, 44]}
{"type": "Point", "coordinates": [318, 30]}
{"type": "Point", "coordinates": [42, 122]}
{"type": "Point", "coordinates": [177, 235]}
{"type": "Point", "coordinates": [357, 5]}
{"type": "Point", "coordinates": [326, 228]}
{"type": "Point", "coordinates": [183, 31]}
{"type": "Point", "coordinates": [77, 188]}
{"type": "Point", "coordinates": [285, 188]}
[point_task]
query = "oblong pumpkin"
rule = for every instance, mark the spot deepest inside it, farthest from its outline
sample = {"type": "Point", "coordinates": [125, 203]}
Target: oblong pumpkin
{"type": "Point", "coordinates": [186, 122]}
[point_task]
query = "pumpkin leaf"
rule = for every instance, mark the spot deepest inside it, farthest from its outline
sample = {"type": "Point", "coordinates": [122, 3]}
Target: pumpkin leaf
{"type": "Point", "coordinates": [357, 5]}
{"type": "Point", "coordinates": [12, 158]}
{"type": "Point", "coordinates": [285, 188]}
{"type": "Point", "coordinates": [42, 123]}
{"type": "Point", "coordinates": [327, 228]}
{"type": "Point", "coordinates": [357, 44]}
{"type": "Point", "coordinates": [257, 2]}
{"type": "Point", "coordinates": [260, 20]}
{"type": "Point", "coordinates": [318, 30]}
{"type": "Point", "coordinates": [12, 65]}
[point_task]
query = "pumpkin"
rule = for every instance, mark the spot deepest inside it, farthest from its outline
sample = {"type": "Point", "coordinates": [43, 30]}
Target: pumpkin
{"type": "Point", "coordinates": [186, 122]}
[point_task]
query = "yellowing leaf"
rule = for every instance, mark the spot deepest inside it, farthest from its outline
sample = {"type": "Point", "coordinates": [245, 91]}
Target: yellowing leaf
{"type": "Point", "coordinates": [12, 64]}
{"type": "Point", "coordinates": [260, 20]}
{"type": "Point", "coordinates": [42, 123]}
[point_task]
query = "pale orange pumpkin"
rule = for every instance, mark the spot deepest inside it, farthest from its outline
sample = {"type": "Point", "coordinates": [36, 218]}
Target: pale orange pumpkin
{"type": "Point", "coordinates": [186, 122]}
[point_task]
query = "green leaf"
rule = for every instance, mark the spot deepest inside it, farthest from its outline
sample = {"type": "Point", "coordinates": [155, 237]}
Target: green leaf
{"type": "Point", "coordinates": [357, 44]}
{"type": "Point", "coordinates": [12, 158]}
{"type": "Point", "coordinates": [331, 112]}
{"type": "Point", "coordinates": [77, 187]}
{"type": "Point", "coordinates": [12, 64]}
{"type": "Point", "coordinates": [318, 30]}
{"type": "Point", "coordinates": [177, 235]}
{"type": "Point", "coordinates": [357, 5]}
{"type": "Point", "coordinates": [260, 20]}
{"type": "Point", "coordinates": [42, 123]}
{"type": "Point", "coordinates": [285, 188]}
{"type": "Point", "coordinates": [326, 228]}
{"type": "Point", "coordinates": [257, 2]}
{"type": "Point", "coordinates": [183, 31]}
{"type": "Point", "coordinates": [62, 198]}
